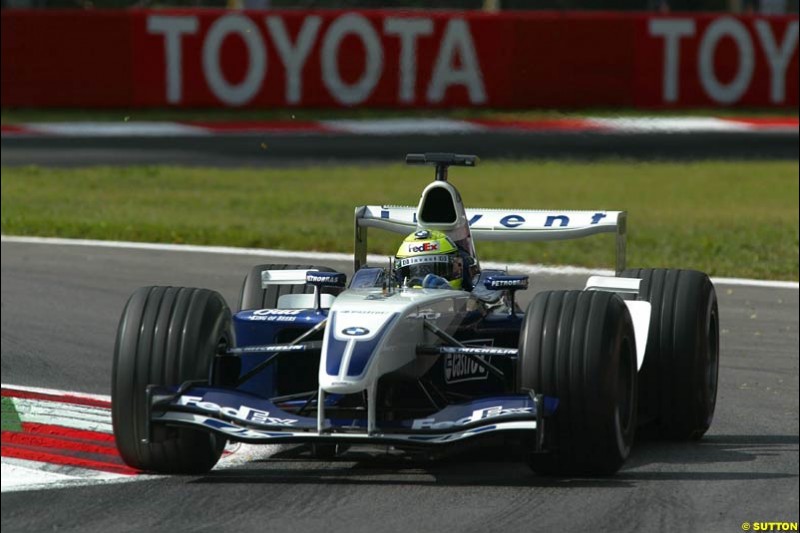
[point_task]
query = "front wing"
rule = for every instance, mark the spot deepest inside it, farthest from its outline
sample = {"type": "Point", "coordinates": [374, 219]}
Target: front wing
{"type": "Point", "coordinates": [247, 418]}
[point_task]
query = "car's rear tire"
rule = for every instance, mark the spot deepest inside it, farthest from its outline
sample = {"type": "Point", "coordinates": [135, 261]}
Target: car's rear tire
{"type": "Point", "coordinates": [166, 336]}
{"type": "Point", "coordinates": [579, 347]}
{"type": "Point", "coordinates": [678, 379]}
{"type": "Point", "coordinates": [252, 296]}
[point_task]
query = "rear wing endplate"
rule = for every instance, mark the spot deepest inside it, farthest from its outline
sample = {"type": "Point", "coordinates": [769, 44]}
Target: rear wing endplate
{"type": "Point", "coordinates": [499, 225]}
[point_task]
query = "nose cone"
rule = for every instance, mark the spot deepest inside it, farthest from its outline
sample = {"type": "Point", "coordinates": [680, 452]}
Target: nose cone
{"type": "Point", "coordinates": [353, 339]}
{"type": "Point", "coordinates": [370, 333]}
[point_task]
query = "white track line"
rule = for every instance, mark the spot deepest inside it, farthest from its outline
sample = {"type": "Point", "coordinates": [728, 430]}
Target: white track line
{"type": "Point", "coordinates": [20, 475]}
{"type": "Point", "coordinates": [403, 126]}
{"type": "Point", "coordinates": [671, 125]}
{"type": "Point", "coordinates": [377, 259]}
{"type": "Point", "coordinates": [64, 414]}
{"type": "Point", "coordinates": [117, 129]}
{"type": "Point", "coordinates": [56, 392]}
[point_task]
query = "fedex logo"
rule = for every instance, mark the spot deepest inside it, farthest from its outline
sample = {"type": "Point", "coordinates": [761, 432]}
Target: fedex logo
{"type": "Point", "coordinates": [476, 416]}
{"type": "Point", "coordinates": [243, 412]}
{"type": "Point", "coordinates": [423, 247]}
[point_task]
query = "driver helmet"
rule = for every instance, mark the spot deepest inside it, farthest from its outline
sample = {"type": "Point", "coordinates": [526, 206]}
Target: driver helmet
{"type": "Point", "coordinates": [428, 252]}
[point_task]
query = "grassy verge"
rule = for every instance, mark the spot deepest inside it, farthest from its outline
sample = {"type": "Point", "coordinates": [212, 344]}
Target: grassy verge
{"type": "Point", "coordinates": [726, 218]}
{"type": "Point", "coordinates": [16, 116]}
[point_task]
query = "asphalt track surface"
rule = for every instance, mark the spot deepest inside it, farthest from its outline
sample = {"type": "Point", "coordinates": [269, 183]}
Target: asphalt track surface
{"type": "Point", "coordinates": [298, 149]}
{"type": "Point", "coordinates": [60, 306]}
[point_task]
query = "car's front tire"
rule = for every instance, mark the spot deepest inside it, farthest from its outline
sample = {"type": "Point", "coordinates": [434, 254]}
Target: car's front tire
{"type": "Point", "coordinates": [166, 336]}
{"type": "Point", "coordinates": [579, 347]}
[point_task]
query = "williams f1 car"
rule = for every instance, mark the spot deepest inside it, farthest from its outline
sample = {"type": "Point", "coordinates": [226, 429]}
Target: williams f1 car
{"type": "Point", "coordinates": [312, 359]}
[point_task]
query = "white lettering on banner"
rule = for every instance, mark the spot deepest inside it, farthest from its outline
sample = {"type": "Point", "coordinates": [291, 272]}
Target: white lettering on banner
{"type": "Point", "coordinates": [672, 30]}
{"type": "Point", "coordinates": [358, 25]}
{"type": "Point", "coordinates": [409, 30]}
{"type": "Point", "coordinates": [777, 57]}
{"type": "Point", "coordinates": [456, 61]}
{"type": "Point", "coordinates": [457, 42]}
{"type": "Point", "coordinates": [726, 93]}
{"type": "Point", "coordinates": [172, 28]}
{"type": "Point", "coordinates": [294, 56]}
{"type": "Point", "coordinates": [244, 91]}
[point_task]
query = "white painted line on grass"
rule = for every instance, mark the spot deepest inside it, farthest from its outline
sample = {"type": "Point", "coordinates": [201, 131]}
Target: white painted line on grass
{"type": "Point", "coordinates": [545, 270]}
{"type": "Point", "coordinates": [769, 284]}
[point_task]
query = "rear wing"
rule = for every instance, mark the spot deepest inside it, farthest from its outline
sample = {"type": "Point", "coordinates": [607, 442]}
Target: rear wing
{"type": "Point", "coordinates": [499, 225]}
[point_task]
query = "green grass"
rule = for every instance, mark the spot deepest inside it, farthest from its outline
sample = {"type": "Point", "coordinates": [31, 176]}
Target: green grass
{"type": "Point", "coordinates": [10, 418]}
{"type": "Point", "coordinates": [16, 116]}
{"type": "Point", "coordinates": [725, 218]}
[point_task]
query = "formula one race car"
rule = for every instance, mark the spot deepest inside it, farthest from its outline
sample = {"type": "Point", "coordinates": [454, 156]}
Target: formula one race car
{"type": "Point", "coordinates": [418, 363]}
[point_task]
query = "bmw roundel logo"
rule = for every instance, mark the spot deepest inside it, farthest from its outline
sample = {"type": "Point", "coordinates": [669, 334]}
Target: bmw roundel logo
{"type": "Point", "coordinates": [355, 331]}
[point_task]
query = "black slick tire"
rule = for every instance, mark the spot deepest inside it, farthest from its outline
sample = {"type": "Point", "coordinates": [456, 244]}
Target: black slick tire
{"type": "Point", "coordinates": [679, 375]}
{"type": "Point", "coordinates": [166, 336]}
{"type": "Point", "coordinates": [579, 347]}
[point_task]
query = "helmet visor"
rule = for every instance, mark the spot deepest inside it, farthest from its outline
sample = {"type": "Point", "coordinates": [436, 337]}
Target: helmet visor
{"type": "Point", "coordinates": [418, 267]}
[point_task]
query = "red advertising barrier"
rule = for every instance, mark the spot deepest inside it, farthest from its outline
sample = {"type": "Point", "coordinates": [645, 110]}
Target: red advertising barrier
{"type": "Point", "coordinates": [209, 58]}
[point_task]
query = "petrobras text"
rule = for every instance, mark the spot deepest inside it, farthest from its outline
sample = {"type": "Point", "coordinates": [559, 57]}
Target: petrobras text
{"type": "Point", "coordinates": [326, 278]}
{"type": "Point", "coordinates": [513, 282]}
{"type": "Point", "coordinates": [312, 278]}
{"type": "Point", "coordinates": [476, 416]}
{"type": "Point", "coordinates": [243, 413]}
